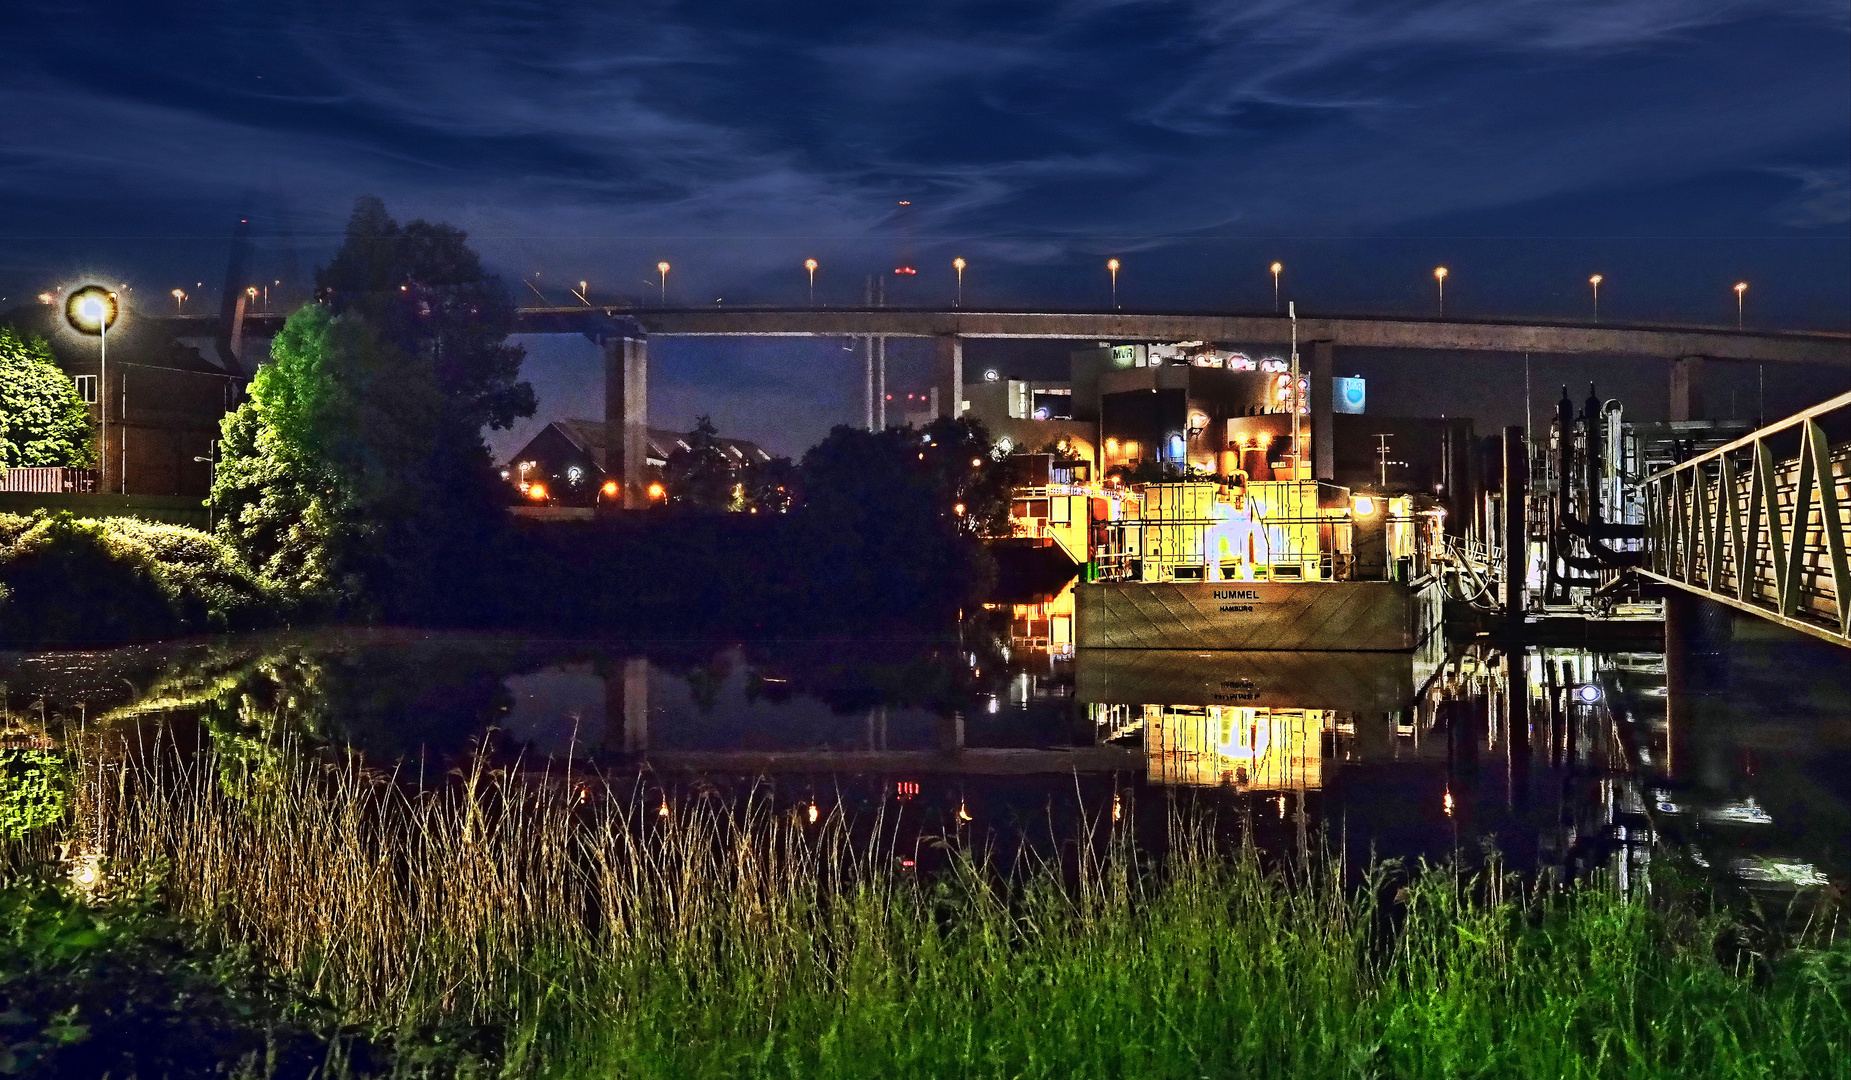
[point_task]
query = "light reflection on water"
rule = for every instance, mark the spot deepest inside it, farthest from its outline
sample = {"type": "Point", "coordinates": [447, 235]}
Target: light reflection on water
{"type": "Point", "coordinates": [1561, 757]}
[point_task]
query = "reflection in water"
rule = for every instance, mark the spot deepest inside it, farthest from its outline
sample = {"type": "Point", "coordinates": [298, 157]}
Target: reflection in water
{"type": "Point", "coordinates": [1241, 748]}
{"type": "Point", "coordinates": [1740, 757]}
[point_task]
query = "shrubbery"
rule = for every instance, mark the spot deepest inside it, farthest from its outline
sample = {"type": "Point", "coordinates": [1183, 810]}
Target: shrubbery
{"type": "Point", "coordinates": [77, 581]}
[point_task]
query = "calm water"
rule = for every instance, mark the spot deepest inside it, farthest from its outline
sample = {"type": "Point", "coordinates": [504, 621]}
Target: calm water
{"type": "Point", "coordinates": [1739, 754]}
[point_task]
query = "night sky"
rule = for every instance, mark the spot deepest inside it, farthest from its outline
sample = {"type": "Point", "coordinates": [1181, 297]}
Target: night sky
{"type": "Point", "coordinates": [1674, 146]}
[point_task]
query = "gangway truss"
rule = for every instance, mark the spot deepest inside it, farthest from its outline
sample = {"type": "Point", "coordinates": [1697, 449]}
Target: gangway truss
{"type": "Point", "coordinates": [1759, 524]}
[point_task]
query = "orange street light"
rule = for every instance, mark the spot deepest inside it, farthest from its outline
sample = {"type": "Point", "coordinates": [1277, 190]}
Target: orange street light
{"type": "Point", "coordinates": [1112, 266]}
{"type": "Point", "coordinates": [657, 491]}
{"type": "Point", "coordinates": [179, 301]}
{"type": "Point", "coordinates": [810, 265]}
{"type": "Point", "coordinates": [1595, 281]}
{"type": "Point", "coordinates": [609, 489]}
{"type": "Point", "coordinates": [1276, 268]}
{"type": "Point", "coordinates": [536, 492]}
{"type": "Point", "coordinates": [1439, 275]}
{"type": "Point", "coordinates": [1740, 288]}
{"type": "Point", "coordinates": [958, 265]}
{"type": "Point", "coordinates": [662, 268]}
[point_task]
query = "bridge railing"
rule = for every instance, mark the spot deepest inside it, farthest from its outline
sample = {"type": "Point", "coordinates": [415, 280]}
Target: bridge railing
{"type": "Point", "coordinates": [1761, 523]}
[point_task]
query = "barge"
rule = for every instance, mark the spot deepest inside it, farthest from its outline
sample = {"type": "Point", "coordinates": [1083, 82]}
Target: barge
{"type": "Point", "coordinates": [1275, 565]}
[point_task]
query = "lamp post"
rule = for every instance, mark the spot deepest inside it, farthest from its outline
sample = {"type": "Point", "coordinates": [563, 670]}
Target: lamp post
{"type": "Point", "coordinates": [958, 265]}
{"type": "Point", "coordinates": [809, 266]}
{"type": "Point", "coordinates": [1740, 288]}
{"type": "Point", "coordinates": [1595, 281]}
{"type": "Point", "coordinates": [1112, 266]}
{"type": "Point", "coordinates": [1439, 275]}
{"type": "Point", "coordinates": [1276, 268]}
{"type": "Point", "coordinates": [662, 268]}
{"type": "Point", "coordinates": [179, 301]}
{"type": "Point", "coordinates": [92, 310]}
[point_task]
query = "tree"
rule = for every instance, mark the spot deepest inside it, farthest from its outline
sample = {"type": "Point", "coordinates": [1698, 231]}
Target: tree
{"type": "Point", "coordinates": [704, 476]}
{"type": "Point", "coordinates": [327, 464]}
{"type": "Point", "coordinates": [879, 526]}
{"type": "Point", "coordinates": [421, 287]}
{"type": "Point", "coordinates": [43, 423]}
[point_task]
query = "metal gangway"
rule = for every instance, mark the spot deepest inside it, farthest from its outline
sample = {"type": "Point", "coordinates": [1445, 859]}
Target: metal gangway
{"type": "Point", "coordinates": [1760, 523]}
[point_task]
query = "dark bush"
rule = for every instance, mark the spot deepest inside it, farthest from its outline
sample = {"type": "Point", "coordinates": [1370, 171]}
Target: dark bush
{"type": "Point", "coordinates": [72, 581]}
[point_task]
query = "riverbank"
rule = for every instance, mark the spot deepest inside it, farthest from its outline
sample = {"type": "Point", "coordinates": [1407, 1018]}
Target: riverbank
{"type": "Point", "coordinates": [78, 582]}
{"type": "Point", "coordinates": [585, 936]}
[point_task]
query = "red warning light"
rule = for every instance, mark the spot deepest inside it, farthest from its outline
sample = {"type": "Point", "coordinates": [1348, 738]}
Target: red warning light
{"type": "Point", "coordinates": [907, 270]}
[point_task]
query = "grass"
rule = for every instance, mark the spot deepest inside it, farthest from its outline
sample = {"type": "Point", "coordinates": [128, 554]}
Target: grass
{"type": "Point", "coordinates": [605, 937]}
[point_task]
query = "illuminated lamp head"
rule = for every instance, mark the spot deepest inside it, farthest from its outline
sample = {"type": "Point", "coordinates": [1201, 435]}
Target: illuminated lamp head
{"type": "Point", "coordinates": [536, 492]}
{"type": "Point", "coordinates": [657, 491]}
{"type": "Point", "coordinates": [609, 489]}
{"type": "Point", "coordinates": [1363, 505]}
{"type": "Point", "coordinates": [991, 375]}
{"type": "Point", "coordinates": [91, 309]}
{"type": "Point", "coordinates": [1588, 693]}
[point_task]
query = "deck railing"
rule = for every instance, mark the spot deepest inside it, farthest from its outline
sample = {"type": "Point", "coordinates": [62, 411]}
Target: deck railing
{"type": "Point", "coordinates": [1760, 523]}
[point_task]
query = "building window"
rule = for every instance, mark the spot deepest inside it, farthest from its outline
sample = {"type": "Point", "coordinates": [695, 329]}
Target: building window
{"type": "Point", "coordinates": [86, 388]}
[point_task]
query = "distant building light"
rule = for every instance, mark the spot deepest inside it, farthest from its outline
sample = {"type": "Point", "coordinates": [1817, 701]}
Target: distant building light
{"type": "Point", "coordinates": [1041, 413]}
{"type": "Point", "coordinates": [609, 489]}
{"type": "Point", "coordinates": [657, 491]}
{"type": "Point", "coordinates": [991, 375]}
{"type": "Point", "coordinates": [536, 492]}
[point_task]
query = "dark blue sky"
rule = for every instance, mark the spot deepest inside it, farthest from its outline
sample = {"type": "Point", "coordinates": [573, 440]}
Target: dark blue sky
{"type": "Point", "coordinates": [1675, 146]}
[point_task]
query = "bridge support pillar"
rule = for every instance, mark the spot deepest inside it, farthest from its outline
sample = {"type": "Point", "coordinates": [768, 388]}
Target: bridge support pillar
{"type": "Point", "coordinates": [950, 376]}
{"type": "Point", "coordinates": [1687, 388]}
{"type": "Point", "coordinates": [626, 417]}
{"type": "Point", "coordinates": [1323, 428]}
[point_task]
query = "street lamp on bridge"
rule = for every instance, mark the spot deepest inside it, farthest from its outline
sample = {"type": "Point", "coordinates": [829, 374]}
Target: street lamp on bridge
{"type": "Point", "coordinates": [662, 268]}
{"type": "Point", "coordinates": [1112, 266]}
{"type": "Point", "coordinates": [1439, 275]}
{"type": "Point", "coordinates": [810, 265]}
{"type": "Point", "coordinates": [1595, 281]}
{"type": "Point", "coordinates": [1276, 268]}
{"type": "Point", "coordinates": [958, 265]}
{"type": "Point", "coordinates": [179, 301]}
{"type": "Point", "coordinates": [1740, 288]}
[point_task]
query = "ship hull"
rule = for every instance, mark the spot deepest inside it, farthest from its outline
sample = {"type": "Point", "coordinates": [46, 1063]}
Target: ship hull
{"type": "Point", "coordinates": [1316, 616]}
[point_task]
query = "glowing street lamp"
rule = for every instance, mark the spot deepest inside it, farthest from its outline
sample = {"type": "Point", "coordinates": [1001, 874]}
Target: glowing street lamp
{"type": "Point", "coordinates": [1595, 281]}
{"type": "Point", "coordinates": [1276, 268]}
{"type": "Point", "coordinates": [93, 310]}
{"type": "Point", "coordinates": [662, 268]}
{"type": "Point", "coordinates": [809, 265]}
{"type": "Point", "coordinates": [1740, 288]}
{"type": "Point", "coordinates": [958, 264]}
{"type": "Point", "coordinates": [179, 301]}
{"type": "Point", "coordinates": [1112, 266]}
{"type": "Point", "coordinates": [1439, 275]}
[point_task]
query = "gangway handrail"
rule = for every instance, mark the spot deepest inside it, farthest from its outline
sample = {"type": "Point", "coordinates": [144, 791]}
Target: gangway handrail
{"type": "Point", "coordinates": [1753, 437]}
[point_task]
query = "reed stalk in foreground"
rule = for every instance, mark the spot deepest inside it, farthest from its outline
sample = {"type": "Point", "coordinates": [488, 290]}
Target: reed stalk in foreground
{"type": "Point", "coordinates": [608, 937]}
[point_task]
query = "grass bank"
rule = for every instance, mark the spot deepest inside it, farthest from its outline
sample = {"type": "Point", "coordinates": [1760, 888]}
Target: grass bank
{"type": "Point", "coordinates": [586, 936]}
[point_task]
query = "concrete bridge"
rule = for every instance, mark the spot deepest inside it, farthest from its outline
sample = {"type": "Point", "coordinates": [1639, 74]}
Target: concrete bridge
{"type": "Point", "coordinates": [624, 332]}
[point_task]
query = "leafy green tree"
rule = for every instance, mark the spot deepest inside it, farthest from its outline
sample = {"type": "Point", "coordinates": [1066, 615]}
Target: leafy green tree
{"type": "Point", "coordinates": [43, 423]}
{"type": "Point", "coordinates": [327, 463]}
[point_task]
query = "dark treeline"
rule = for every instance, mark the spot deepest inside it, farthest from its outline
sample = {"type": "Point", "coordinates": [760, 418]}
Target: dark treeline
{"type": "Point", "coordinates": [355, 486]}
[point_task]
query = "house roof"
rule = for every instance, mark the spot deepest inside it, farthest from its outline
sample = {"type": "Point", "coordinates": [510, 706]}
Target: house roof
{"type": "Point", "coordinates": [588, 435]}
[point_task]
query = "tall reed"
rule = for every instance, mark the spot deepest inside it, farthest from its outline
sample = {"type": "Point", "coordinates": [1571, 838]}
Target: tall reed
{"type": "Point", "coordinates": [705, 937]}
